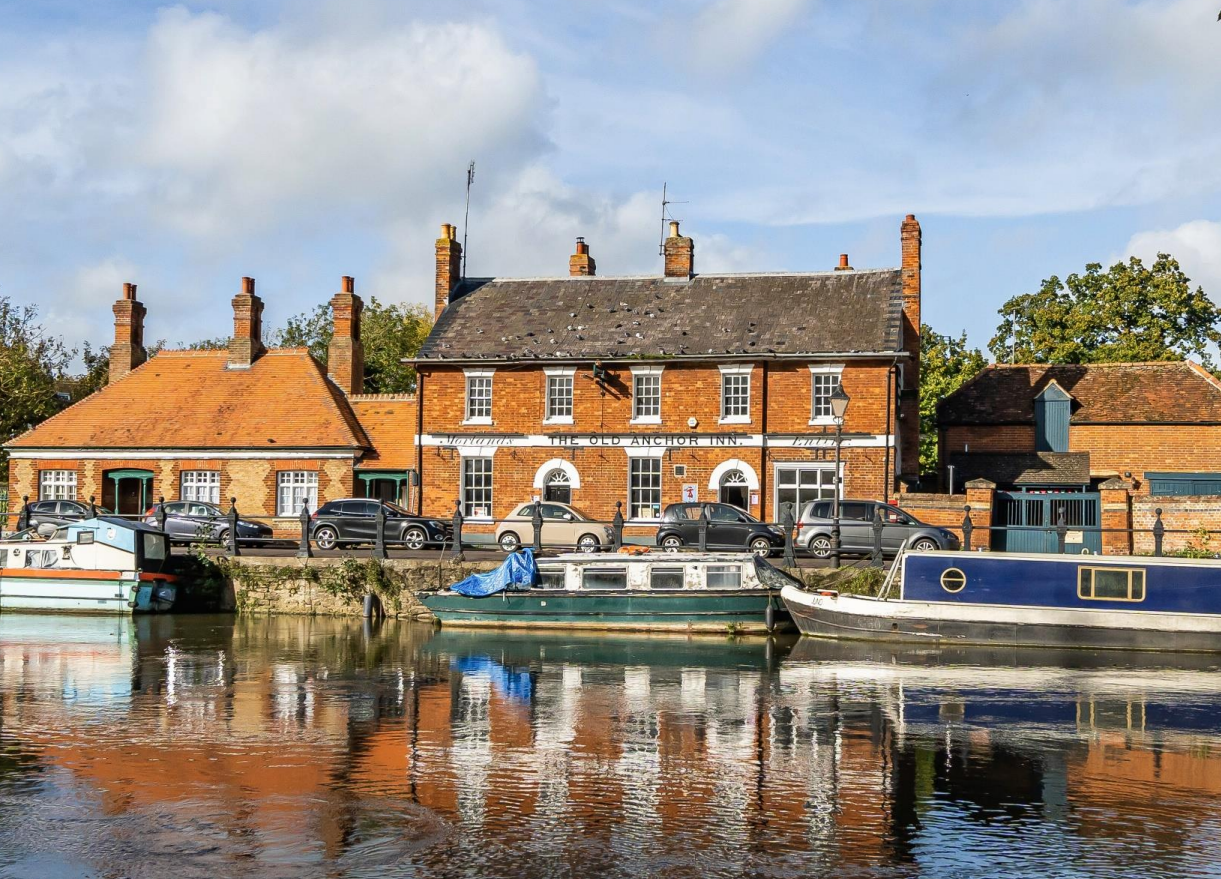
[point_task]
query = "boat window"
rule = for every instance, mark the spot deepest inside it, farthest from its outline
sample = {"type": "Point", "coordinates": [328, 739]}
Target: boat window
{"type": "Point", "coordinates": [1111, 584]}
{"type": "Point", "coordinates": [665, 578]}
{"type": "Point", "coordinates": [551, 579]}
{"type": "Point", "coordinates": [154, 547]}
{"type": "Point", "coordinates": [724, 576]}
{"type": "Point", "coordinates": [604, 578]}
{"type": "Point", "coordinates": [953, 580]}
{"type": "Point", "coordinates": [41, 558]}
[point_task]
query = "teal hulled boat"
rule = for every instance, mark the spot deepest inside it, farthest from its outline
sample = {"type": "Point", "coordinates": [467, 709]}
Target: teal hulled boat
{"type": "Point", "coordinates": [725, 592]}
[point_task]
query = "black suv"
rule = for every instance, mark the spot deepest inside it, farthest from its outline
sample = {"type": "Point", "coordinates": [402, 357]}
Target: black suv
{"type": "Point", "coordinates": [728, 528]}
{"type": "Point", "coordinates": [354, 520]}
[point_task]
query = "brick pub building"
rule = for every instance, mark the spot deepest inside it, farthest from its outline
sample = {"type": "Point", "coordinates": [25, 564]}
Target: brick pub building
{"type": "Point", "coordinates": [648, 391]}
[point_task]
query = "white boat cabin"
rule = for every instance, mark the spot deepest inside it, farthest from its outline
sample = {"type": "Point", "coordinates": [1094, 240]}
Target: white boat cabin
{"type": "Point", "coordinates": [90, 545]}
{"type": "Point", "coordinates": [658, 572]}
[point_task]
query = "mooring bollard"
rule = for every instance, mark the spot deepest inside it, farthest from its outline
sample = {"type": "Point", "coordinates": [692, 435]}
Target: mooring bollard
{"type": "Point", "coordinates": [790, 552]}
{"type": "Point", "coordinates": [93, 507]}
{"type": "Point", "coordinates": [703, 528]}
{"type": "Point", "coordinates": [23, 518]}
{"type": "Point", "coordinates": [161, 513]}
{"type": "Point", "coordinates": [379, 546]}
{"type": "Point", "coordinates": [304, 551]}
{"type": "Point", "coordinates": [233, 548]}
{"type": "Point", "coordinates": [536, 520]}
{"type": "Point", "coordinates": [458, 531]}
{"type": "Point", "coordinates": [1061, 531]}
{"type": "Point", "coordinates": [1159, 532]}
{"type": "Point", "coordinates": [617, 526]}
{"type": "Point", "coordinates": [967, 527]}
{"type": "Point", "coordinates": [876, 555]}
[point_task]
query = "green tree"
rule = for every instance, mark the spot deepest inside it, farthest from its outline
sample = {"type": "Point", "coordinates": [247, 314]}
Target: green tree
{"type": "Point", "coordinates": [946, 363]}
{"type": "Point", "coordinates": [1130, 312]}
{"type": "Point", "coordinates": [389, 332]}
{"type": "Point", "coordinates": [31, 366]}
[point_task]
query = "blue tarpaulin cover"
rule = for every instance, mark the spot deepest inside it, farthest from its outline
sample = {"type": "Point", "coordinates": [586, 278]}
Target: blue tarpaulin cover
{"type": "Point", "coordinates": [518, 571]}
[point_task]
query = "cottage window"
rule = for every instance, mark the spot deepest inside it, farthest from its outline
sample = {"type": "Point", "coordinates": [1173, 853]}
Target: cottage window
{"type": "Point", "coordinates": [646, 395]}
{"type": "Point", "coordinates": [479, 397]}
{"type": "Point", "coordinates": [200, 485]}
{"type": "Point", "coordinates": [644, 500]}
{"type": "Point", "coordinates": [735, 394]}
{"type": "Point", "coordinates": [559, 397]}
{"type": "Point", "coordinates": [477, 488]}
{"type": "Point", "coordinates": [799, 485]}
{"type": "Point", "coordinates": [294, 489]}
{"type": "Point", "coordinates": [824, 380]}
{"type": "Point", "coordinates": [57, 485]}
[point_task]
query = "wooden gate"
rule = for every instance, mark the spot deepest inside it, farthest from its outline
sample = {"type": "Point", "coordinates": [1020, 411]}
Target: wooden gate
{"type": "Point", "coordinates": [1025, 521]}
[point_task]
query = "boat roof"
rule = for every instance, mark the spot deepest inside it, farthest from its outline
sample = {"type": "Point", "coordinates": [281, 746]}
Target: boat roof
{"type": "Point", "coordinates": [646, 557]}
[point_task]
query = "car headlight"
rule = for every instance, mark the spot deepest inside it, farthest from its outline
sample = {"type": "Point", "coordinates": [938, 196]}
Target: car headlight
{"type": "Point", "coordinates": [435, 524]}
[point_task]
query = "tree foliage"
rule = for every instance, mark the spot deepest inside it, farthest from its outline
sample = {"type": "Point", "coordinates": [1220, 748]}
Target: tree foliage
{"type": "Point", "coordinates": [946, 363]}
{"type": "Point", "coordinates": [31, 366]}
{"type": "Point", "coordinates": [1129, 312]}
{"type": "Point", "coordinates": [389, 332]}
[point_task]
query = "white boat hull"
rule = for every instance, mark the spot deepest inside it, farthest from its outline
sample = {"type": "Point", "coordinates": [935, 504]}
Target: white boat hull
{"type": "Point", "coordinates": [123, 593]}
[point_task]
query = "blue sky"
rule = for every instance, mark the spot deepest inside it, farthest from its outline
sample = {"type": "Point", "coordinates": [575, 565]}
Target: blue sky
{"type": "Point", "coordinates": [181, 147]}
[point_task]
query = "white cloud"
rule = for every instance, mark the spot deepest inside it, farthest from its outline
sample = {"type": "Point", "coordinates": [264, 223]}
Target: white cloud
{"type": "Point", "coordinates": [728, 34]}
{"type": "Point", "coordinates": [1196, 245]}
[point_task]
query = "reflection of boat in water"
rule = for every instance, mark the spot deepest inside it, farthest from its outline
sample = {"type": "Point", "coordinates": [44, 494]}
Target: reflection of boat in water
{"type": "Point", "coordinates": [1012, 688]}
{"type": "Point", "coordinates": [657, 650]}
{"type": "Point", "coordinates": [723, 592]}
{"type": "Point", "coordinates": [1028, 600]}
{"type": "Point", "coordinates": [102, 565]}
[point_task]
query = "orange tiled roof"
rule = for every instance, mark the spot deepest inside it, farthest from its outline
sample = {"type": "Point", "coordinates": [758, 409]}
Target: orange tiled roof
{"type": "Point", "coordinates": [389, 421]}
{"type": "Point", "coordinates": [189, 400]}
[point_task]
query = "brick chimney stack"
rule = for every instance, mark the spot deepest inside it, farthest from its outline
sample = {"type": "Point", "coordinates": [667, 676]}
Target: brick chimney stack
{"type": "Point", "coordinates": [581, 263]}
{"type": "Point", "coordinates": [345, 358]}
{"type": "Point", "coordinates": [909, 401]}
{"type": "Point", "coordinates": [680, 255]}
{"type": "Point", "coordinates": [127, 352]}
{"type": "Point", "coordinates": [449, 266]}
{"type": "Point", "coordinates": [843, 264]}
{"type": "Point", "coordinates": [247, 343]}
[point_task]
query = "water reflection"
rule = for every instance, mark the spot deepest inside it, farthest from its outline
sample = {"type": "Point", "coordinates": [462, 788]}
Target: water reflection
{"type": "Point", "coordinates": [213, 747]}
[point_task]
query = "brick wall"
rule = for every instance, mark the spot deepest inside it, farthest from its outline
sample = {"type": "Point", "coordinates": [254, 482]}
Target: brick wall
{"type": "Point", "coordinates": [1137, 449]}
{"type": "Point", "coordinates": [1188, 521]}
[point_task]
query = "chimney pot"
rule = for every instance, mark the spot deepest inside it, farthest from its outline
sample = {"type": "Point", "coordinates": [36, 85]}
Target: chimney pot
{"type": "Point", "coordinates": [129, 291]}
{"type": "Point", "coordinates": [349, 284]}
{"type": "Point", "coordinates": [843, 264]}
{"type": "Point", "coordinates": [674, 228]}
{"type": "Point", "coordinates": [248, 286]}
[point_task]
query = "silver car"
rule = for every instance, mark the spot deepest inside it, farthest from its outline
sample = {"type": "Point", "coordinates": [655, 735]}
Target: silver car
{"type": "Point", "coordinates": [899, 529]}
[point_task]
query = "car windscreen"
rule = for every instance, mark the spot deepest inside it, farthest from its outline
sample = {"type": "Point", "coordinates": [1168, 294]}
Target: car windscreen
{"type": "Point", "coordinates": [581, 514]}
{"type": "Point", "coordinates": [397, 509]}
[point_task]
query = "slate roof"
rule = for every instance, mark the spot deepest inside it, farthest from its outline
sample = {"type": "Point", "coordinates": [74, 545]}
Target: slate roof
{"type": "Point", "coordinates": [189, 400]}
{"type": "Point", "coordinates": [650, 317]}
{"type": "Point", "coordinates": [389, 420]}
{"type": "Point", "coordinates": [1024, 468]}
{"type": "Point", "coordinates": [1103, 393]}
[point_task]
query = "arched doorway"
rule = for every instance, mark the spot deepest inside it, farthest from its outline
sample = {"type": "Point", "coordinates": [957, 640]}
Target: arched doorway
{"type": "Point", "coordinates": [557, 487]}
{"type": "Point", "coordinates": [127, 492]}
{"type": "Point", "coordinates": [735, 489]}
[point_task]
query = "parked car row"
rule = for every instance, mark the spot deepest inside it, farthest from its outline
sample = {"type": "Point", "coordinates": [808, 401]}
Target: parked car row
{"type": "Point", "coordinates": [351, 521]}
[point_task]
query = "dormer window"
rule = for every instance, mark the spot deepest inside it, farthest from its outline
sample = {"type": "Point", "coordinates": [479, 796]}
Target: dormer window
{"type": "Point", "coordinates": [1052, 408]}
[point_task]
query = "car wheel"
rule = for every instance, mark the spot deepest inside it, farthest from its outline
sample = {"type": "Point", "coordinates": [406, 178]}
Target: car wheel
{"type": "Point", "coordinates": [509, 541]}
{"type": "Point", "coordinates": [820, 546]}
{"type": "Point", "coordinates": [588, 543]}
{"type": "Point", "coordinates": [672, 543]}
{"type": "Point", "coordinates": [222, 537]}
{"type": "Point", "coordinates": [414, 538]}
{"type": "Point", "coordinates": [761, 546]}
{"type": "Point", "coordinates": [924, 544]}
{"type": "Point", "coordinates": [326, 537]}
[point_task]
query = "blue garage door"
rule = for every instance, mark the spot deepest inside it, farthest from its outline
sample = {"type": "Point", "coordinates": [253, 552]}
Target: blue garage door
{"type": "Point", "coordinates": [1028, 521]}
{"type": "Point", "coordinates": [1183, 484]}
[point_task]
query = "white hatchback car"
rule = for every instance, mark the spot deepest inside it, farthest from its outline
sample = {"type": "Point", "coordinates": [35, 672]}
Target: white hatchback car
{"type": "Point", "coordinates": [564, 527]}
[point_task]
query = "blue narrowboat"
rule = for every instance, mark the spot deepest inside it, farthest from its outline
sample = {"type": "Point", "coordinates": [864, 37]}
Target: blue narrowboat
{"type": "Point", "coordinates": [1028, 600]}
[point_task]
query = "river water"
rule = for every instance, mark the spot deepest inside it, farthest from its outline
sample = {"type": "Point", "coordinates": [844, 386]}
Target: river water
{"type": "Point", "coordinates": [261, 748]}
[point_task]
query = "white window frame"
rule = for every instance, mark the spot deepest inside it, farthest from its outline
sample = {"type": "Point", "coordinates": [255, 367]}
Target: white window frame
{"type": "Point", "coordinates": [562, 375]}
{"type": "Point", "coordinates": [631, 502]}
{"type": "Point", "coordinates": [835, 370]}
{"type": "Point", "coordinates": [293, 487]}
{"type": "Point", "coordinates": [746, 370]}
{"type": "Point", "coordinates": [650, 372]}
{"type": "Point", "coordinates": [200, 485]}
{"type": "Point", "coordinates": [803, 465]}
{"type": "Point", "coordinates": [491, 488]}
{"type": "Point", "coordinates": [478, 375]}
{"type": "Point", "coordinates": [56, 485]}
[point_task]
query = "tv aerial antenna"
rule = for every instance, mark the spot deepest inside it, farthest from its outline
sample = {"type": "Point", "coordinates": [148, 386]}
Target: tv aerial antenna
{"type": "Point", "coordinates": [466, 218]}
{"type": "Point", "coordinates": [665, 218]}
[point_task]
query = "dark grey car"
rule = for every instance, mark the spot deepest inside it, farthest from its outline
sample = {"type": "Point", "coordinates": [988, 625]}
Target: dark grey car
{"type": "Point", "coordinates": [58, 512]}
{"type": "Point", "coordinates": [205, 522]}
{"type": "Point", "coordinates": [899, 528]}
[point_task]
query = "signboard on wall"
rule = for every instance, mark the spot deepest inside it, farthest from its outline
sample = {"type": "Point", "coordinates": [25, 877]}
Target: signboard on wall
{"type": "Point", "coordinates": [691, 493]}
